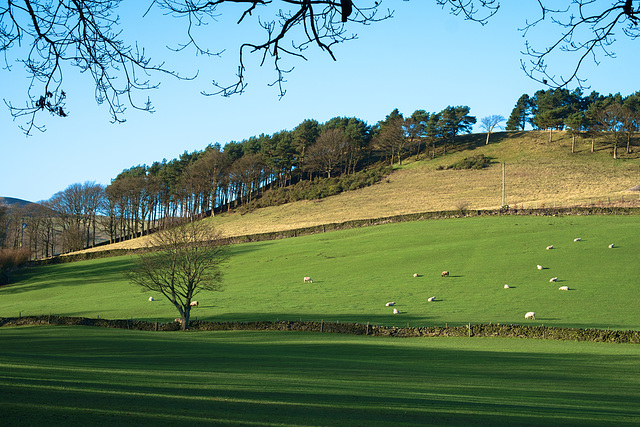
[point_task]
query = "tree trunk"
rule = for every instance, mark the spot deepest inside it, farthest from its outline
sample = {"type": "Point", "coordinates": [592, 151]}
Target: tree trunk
{"type": "Point", "coordinates": [573, 143]}
{"type": "Point", "coordinates": [628, 143]}
{"type": "Point", "coordinates": [593, 143]}
{"type": "Point", "coordinates": [550, 135]}
{"type": "Point", "coordinates": [487, 141]}
{"type": "Point", "coordinates": [185, 319]}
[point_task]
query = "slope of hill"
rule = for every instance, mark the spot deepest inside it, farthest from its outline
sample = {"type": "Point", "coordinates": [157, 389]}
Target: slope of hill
{"type": "Point", "coordinates": [538, 173]}
{"type": "Point", "coordinates": [11, 201]}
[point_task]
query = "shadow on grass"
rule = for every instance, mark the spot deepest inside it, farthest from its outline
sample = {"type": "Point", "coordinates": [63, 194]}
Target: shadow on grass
{"type": "Point", "coordinates": [76, 376]}
{"type": "Point", "coordinates": [71, 274]}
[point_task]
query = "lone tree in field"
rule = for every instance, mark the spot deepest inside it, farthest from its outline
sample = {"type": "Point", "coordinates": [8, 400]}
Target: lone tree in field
{"type": "Point", "coordinates": [179, 263]}
{"type": "Point", "coordinates": [489, 123]}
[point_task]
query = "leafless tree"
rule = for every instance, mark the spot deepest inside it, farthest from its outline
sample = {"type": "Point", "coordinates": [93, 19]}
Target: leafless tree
{"type": "Point", "coordinates": [328, 151]}
{"type": "Point", "coordinates": [392, 137]}
{"type": "Point", "coordinates": [179, 263]}
{"type": "Point", "coordinates": [586, 29]}
{"type": "Point", "coordinates": [611, 120]}
{"type": "Point", "coordinates": [489, 123]}
{"type": "Point", "coordinates": [48, 37]}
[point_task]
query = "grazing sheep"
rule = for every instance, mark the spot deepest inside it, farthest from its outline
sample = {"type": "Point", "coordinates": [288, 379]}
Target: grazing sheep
{"type": "Point", "coordinates": [563, 288]}
{"type": "Point", "coordinates": [194, 303]}
{"type": "Point", "coordinates": [177, 320]}
{"type": "Point", "coordinates": [431, 299]}
{"type": "Point", "coordinates": [151, 299]}
{"type": "Point", "coordinates": [539, 267]}
{"type": "Point", "coordinates": [307, 279]}
{"type": "Point", "coordinates": [395, 311]}
{"type": "Point", "coordinates": [550, 247]}
{"type": "Point", "coordinates": [530, 315]}
{"type": "Point", "coordinates": [390, 304]}
{"type": "Point", "coordinates": [611, 246]}
{"type": "Point", "coordinates": [506, 286]}
{"type": "Point", "coordinates": [415, 275]}
{"type": "Point", "coordinates": [577, 239]}
{"type": "Point", "coordinates": [553, 279]}
{"type": "Point", "coordinates": [444, 273]}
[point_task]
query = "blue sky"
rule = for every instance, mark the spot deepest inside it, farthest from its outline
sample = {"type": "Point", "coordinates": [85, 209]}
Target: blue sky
{"type": "Point", "coordinates": [423, 58]}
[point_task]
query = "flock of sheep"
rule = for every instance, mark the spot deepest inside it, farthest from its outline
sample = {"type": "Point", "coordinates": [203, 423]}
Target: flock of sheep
{"type": "Point", "coordinates": [532, 314]}
{"type": "Point", "coordinates": [528, 315]}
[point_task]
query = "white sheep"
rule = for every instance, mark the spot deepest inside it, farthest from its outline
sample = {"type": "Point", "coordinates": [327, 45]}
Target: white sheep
{"type": "Point", "coordinates": [549, 247]}
{"type": "Point", "coordinates": [431, 299]}
{"type": "Point", "coordinates": [577, 239]}
{"type": "Point", "coordinates": [415, 274]}
{"type": "Point", "coordinates": [194, 303]}
{"type": "Point", "coordinates": [506, 286]}
{"type": "Point", "coordinates": [563, 288]}
{"type": "Point", "coordinates": [390, 304]}
{"type": "Point", "coordinates": [395, 311]}
{"type": "Point", "coordinates": [539, 267]}
{"type": "Point", "coordinates": [307, 279]}
{"type": "Point", "coordinates": [177, 320]}
{"type": "Point", "coordinates": [444, 273]}
{"type": "Point", "coordinates": [530, 315]}
{"type": "Point", "coordinates": [553, 279]}
{"type": "Point", "coordinates": [151, 299]}
{"type": "Point", "coordinates": [611, 246]}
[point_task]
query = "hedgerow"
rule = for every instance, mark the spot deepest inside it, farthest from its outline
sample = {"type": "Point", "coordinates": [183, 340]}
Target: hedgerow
{"type": "Point", "coordinates": [505, 331]}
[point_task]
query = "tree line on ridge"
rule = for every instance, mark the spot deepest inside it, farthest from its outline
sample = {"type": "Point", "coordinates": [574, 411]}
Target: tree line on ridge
{"type": "Point", "coordinates": [220, 178]}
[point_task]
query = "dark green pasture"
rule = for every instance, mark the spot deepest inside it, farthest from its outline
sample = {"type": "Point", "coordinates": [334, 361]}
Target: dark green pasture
{"type": "Point", "coordinates": [356, 272]}
{"type": "Point", "coordinates": [79, 376]}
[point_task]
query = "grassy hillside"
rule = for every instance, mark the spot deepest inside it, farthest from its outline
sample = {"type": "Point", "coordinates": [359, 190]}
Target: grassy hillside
{"type": "Point", "coordinates": [77, 376]}
{"type": "Point", "coordinates": [538, 173]}
{"type": "Point", "coordinates": [355, 272]}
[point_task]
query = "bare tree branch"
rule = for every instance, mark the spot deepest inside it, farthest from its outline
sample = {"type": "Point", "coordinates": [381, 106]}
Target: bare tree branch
{"type": "Point", "coordinates": [586, 30]}
{"type": "Point", "coordinates": [86, 35]}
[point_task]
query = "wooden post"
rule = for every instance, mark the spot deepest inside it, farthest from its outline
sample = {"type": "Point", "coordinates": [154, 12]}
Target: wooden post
{"type": "Point", "coordinates": [322, 325]}
{"type": "Point", "coordinates": [503, 198]}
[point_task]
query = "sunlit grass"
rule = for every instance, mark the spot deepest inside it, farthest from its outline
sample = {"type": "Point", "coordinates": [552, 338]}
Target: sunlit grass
{"type": "Point", "coordinates": [355, 272]}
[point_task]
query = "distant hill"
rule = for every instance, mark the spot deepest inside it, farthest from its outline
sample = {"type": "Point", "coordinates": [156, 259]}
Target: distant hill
{"type": "Point", "coordinates": [11, 202]}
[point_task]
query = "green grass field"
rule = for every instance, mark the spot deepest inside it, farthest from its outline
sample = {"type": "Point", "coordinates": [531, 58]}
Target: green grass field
{"type": "Point", "coordinates": [93, 376]}
{"type": "Point", "coordinates": [355, 272]}
{"type": "Point", "coordinates": [77, 376]}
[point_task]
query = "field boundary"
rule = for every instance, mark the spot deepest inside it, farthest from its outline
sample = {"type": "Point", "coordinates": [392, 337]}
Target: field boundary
{"type": "Point", "coordinates": [358, 223]}
{"type": "Point", "coordinates": [470, 330]}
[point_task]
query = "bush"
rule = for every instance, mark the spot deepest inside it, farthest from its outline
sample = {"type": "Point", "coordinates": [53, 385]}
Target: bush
{"type": "Point", "coordinates": [319, 188]}
{"type": "Point", "coordinates": [10, 259]}
{"type": "Point", "coordinates": [475, 162]}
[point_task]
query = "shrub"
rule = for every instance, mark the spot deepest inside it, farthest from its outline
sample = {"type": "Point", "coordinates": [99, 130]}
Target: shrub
{"type": "Point", "coordinates": [475, 162]}
{"type": "Point", "coordinates": [10, 259]}
{"type": "Point", "coordinates": [319, 188]}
